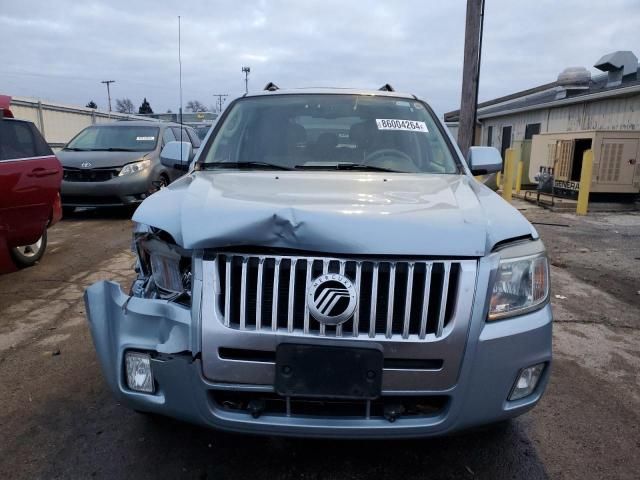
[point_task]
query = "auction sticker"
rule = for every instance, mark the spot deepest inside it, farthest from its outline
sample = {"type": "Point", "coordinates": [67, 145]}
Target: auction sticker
{"type": "Point", "coordinates": [404, 125]}
{"type": "Point", "coordinates": [145, 139]}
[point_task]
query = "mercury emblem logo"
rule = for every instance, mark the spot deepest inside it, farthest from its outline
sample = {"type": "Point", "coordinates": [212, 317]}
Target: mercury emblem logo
{"type": "Point", "coordinates": [86, 165]}
{"type": "Point", "coordinates": [331, 298]}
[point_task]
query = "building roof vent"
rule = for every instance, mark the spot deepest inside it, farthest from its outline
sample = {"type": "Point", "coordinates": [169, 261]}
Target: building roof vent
{"type": "Point", "coordinates": [571, 79]}
{"type": "Point", "coordinates": [574, 78]}
{"type": "Point", "coordinates": [617, 64]}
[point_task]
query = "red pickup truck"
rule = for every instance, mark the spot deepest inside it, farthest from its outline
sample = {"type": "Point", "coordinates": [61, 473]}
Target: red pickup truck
{"type": "Point", "coordinates": [30, 176]}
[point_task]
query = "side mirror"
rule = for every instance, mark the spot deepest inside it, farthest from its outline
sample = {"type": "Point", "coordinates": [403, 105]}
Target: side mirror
{"type": "Point", "coordinates": [177, 155]}
{"type": "Point", "coordinates": [484, 160]}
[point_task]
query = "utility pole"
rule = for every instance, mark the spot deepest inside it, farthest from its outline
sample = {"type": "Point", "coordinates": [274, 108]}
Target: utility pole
{"type": "Point", "coordinates": [108, 82]}
{"type": "Point", "coordinates": [246, 71]}
{"type": "Point", "coordinates": [222, 97]}
{"type": "Point", "coordinates": [470, 74]}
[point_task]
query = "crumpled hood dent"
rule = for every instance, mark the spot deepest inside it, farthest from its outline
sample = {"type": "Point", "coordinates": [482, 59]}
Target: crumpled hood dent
{"type": "Point", "coordinates": [335, 212]}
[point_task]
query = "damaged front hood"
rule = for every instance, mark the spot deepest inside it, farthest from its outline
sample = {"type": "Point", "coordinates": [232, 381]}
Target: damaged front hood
{"type": "Point", "coordinates": [335, 212]}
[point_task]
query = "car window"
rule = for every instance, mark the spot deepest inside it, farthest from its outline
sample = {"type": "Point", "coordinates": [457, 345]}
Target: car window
{"type": "Point", "coordinates": [195, 140]}
{"type": "Point", "coordinates": [325, 131]}
{"type": "Point", "coordinates": [180, 136]}
{"type": "Point", "coordinates": [177, 131]}
{"type": "Point", "coordinates": [168, 136]}
{"type": "Point", "coordinates": [202, 131]}
{"type": "Point", "coordinates": [130, 138]}
{"type": "Point", "coordinates": [41, 146]}
{"type": "Point", "coordinates": [17, 140]}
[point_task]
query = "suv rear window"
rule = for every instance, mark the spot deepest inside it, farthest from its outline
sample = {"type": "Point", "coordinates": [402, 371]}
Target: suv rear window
{"type": "Point", "coordinates": [20, 139]}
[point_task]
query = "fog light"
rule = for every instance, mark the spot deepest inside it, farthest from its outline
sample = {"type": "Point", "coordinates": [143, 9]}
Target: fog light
{"type": "Point", "coordinates": [139, 374]}
{"type": "Point", "coordinates": [527, 381]}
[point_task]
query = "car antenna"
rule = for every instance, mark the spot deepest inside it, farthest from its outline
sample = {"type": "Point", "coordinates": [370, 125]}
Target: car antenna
{"type": "Point", "coordinates": [271, 87]}
{"type": "Point", "coordinates": [386, 88]}
{"type": "Point", "coordinates": [180, 83]}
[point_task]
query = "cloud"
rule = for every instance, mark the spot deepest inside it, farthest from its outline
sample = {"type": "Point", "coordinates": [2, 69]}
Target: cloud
{"type": "Point", "coordinates": [61, 50]}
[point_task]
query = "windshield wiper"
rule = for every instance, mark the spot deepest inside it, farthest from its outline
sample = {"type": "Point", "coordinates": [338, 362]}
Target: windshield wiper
{"type": "Point", "coordinates": [257, 165]}
{"type": "Point", "coordinates": [346, 166]}
{"type": "Point", "coordinates": [74, 149]}
{"type": "Point", "coordinates": [112, 149]}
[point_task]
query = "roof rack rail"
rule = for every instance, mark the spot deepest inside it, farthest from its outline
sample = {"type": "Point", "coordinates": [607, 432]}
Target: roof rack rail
{"type": "Point", "coordinates": [271, 87]}
{"type": "Point", "coordinates": [386, 88]}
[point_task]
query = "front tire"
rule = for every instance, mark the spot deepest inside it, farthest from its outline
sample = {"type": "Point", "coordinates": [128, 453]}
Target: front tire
{"type": "Point", "coordinates": [28, 255]}
{"type": "Point", "coordinates": [162, 182]}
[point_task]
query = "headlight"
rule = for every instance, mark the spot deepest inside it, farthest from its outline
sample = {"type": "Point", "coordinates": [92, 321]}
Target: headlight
{"type": "Point", "coordinates": [165, 268]}
{"type": "Point", "coordinates": [135, 167]}
{"type": "Point", "coordinates": [521, 285]}
{"type": "Point", "coordinates": [160, 259]}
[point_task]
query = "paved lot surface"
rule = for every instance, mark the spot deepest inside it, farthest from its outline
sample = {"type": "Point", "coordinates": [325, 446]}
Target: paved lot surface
{"type": "Point", "coordinates": [57, 419]}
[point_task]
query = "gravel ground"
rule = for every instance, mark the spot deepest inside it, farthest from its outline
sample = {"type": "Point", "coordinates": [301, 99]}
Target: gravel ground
{"type": "Point", "coordinates": [58, 419]}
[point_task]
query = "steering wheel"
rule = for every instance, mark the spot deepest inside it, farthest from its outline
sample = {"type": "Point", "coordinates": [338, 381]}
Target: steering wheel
{"type": "Point", "coordinates": [389, 152]}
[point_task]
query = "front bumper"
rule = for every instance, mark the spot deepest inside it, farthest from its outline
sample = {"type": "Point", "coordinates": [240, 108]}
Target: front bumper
{"type": "Point", "coordinates": [494, 354]}
{"type": "Point", "coordinates": [127, 190]}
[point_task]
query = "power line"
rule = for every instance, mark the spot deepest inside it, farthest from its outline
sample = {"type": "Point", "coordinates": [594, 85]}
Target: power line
{"type": "Point", "coordinates": [222, 97]}
{"type": "Point", "coordinates": [107, 83]}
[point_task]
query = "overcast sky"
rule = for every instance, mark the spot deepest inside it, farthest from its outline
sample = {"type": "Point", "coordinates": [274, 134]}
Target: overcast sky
{"type": "Point", "coordinates": [61, 50]}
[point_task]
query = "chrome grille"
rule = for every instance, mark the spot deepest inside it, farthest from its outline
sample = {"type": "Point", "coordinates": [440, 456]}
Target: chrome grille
{"type": "Point", "coordinates": [396, 298]}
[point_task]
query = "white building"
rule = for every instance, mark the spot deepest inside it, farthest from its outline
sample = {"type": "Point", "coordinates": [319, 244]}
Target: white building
{"type": "Point", "coordinates": [575, 101]}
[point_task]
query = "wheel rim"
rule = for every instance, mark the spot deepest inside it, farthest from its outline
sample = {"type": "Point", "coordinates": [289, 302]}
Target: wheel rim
{"type": "Point", "coordinates": [31, 250]}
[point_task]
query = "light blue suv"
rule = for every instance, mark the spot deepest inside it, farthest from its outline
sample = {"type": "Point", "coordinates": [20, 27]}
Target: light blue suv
{"type": "Point", "coordinates": [329, 267]}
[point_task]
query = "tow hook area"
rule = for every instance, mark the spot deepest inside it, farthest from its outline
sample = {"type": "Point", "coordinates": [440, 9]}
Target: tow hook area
{"type": "Point", "coordinates": [256, 407]}
{"type": "Point", "coordinates": [393, 412]}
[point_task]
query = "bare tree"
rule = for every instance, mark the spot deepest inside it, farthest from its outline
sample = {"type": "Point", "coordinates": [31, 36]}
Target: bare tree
{"type": "Point", "coordinates": [196, 106]}
{"type": "Point", "coordinates": [124, 105]}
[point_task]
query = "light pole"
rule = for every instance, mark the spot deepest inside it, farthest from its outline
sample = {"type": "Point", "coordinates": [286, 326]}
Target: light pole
{"type": "Point", "coordinates": [246, 71]}
{"type": "Point", "coordinates": [107, 82]}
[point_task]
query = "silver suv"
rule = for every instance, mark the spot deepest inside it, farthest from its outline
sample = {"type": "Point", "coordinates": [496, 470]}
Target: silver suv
{"type": "Point", "coordinates": [329, 267]}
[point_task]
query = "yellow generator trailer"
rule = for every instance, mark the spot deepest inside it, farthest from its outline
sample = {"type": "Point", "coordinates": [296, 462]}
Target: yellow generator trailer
{"type": "Point", "coordinates": [616, 167]}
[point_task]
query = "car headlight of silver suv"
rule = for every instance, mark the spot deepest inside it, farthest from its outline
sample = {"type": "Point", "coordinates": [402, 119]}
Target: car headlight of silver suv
{"type": "Point", "coordinates": [164, 267]}
{"type": "Point", "coordinates": [521, 283]}
{"type": "Point", "coordinates": [134, 167]}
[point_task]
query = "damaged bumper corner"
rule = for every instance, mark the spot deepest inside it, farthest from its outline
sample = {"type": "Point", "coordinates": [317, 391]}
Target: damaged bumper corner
{"type": "Point", "coordinates": [119, 323]}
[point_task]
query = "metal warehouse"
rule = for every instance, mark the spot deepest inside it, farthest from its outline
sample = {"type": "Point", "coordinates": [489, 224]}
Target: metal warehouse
{"type": "Point", "coordinates": [575, 102]}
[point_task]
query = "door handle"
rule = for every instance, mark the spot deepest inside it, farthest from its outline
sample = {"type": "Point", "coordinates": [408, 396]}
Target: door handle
{"type": "Point", "coordinates": [42, 172]}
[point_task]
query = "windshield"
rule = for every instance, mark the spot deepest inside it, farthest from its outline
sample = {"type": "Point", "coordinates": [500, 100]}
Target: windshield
{"type": "Point", "coordinates": [118, 138]}
{"type": "Point", "coordinates": [330, 132]}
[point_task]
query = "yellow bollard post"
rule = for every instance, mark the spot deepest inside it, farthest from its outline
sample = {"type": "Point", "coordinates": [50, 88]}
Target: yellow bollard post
{"type": "Point", "coordinates": [519, 176]}
{"type": "Point", "coordinates": [498, 179]}
{"type": "Point", "coordinates": [585, 183]}
{"type": "Point", "coordinates": [507, 182]}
